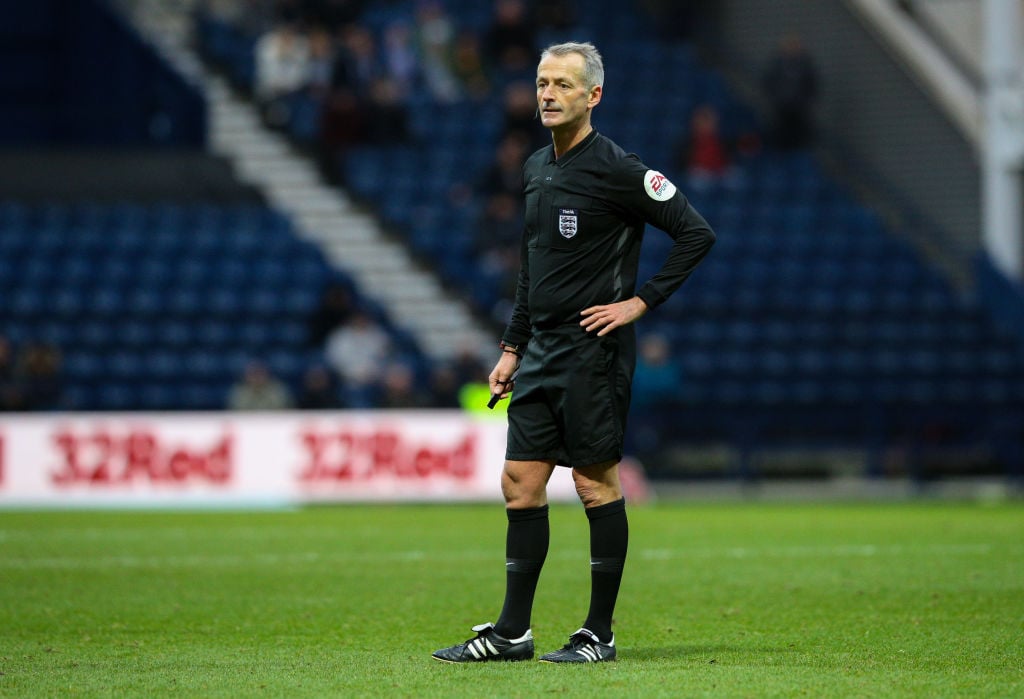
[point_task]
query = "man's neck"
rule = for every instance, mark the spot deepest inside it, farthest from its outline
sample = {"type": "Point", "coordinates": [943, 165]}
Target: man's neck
{"type": "Point", "coordinates": [566, 141]}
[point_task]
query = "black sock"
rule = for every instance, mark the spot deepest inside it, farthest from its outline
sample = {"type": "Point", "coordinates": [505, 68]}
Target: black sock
{"type": "Point", "coordinates": [526, 547]}
{"type": "Point", "coordinates": [609, 536]}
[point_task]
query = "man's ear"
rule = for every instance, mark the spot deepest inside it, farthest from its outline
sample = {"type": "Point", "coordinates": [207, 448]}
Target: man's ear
{"type": "Point", "coordinates": [595, 96]}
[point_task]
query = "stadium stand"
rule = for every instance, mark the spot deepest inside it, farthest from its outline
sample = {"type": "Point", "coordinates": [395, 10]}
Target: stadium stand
{"type": "Point", "coordinates": [812, 323]}
{"type": "Point", "coordinates": [159, 306]}
{"type": "Point", "coordinates": [153, 274]}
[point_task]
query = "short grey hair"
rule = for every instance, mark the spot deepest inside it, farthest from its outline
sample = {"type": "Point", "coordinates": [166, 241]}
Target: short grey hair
{"type": "Point", "coordinates": [593, 66]}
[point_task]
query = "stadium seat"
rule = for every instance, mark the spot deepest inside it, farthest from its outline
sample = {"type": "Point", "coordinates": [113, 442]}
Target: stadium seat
{"type": "Point", "coordinates": [142, 297]}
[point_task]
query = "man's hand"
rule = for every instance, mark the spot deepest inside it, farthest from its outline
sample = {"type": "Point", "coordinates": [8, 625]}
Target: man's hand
{"type": "Point", "coordinates": [500, 379]}
{"type": "Point", "coordinates": [614, 315]}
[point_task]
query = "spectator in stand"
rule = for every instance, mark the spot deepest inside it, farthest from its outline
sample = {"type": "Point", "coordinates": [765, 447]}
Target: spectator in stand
{"type": "Point", "coordinates": [706, 155]}
{"type": "Point", "coordinates": [354, 71]}
{"type": "Point", "coordinates": [258, 389]}
{"type": "Point", "coordinates": [320, 390]}
{"type": "Point", "coordinates": [321, 63]}
{"type": "Point", "coordinates": [387, 114]}
{"type": "Point", "coordinates": [657, 376]}
{"type": "Point", "coordinates": [399, 389]}
{"type": "Point", "coordinates": [356, 64]}
{"type": "Point", "coordinates": [335, 308]}
{"type": "Point", "coordinates": [791, 85]}
{"type": "Point", "coordinates": [444, 387]}
{"type": "Point", "coordinates": [434, 36]}
{"type": "Point", "coordinates": [467, 66]}
{"type": "Point", "coordinates": [318, 93]}
{"type": "Point", "coordinates": [367, 105]}
{"type": "Point", "coordinates": [282, 69]}
{"type": "Point", "coordinates": [401, 63]}
{"type": "Point", "coordinates": [358, 352]}
{"type": "Point", "coordinates": [510, 41]}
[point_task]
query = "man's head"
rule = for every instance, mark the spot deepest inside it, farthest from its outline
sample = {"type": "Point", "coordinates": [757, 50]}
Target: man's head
{"type": "Point", "coordinates": [569, 83]}
{"type": "Point", "coordinates": [593, 66]}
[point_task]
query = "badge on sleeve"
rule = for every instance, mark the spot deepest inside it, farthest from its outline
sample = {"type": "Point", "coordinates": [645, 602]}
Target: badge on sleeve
{"type": "Point", "coordinates": [567, 222]}
{"type": "Point", "coordinates": [658, 187]}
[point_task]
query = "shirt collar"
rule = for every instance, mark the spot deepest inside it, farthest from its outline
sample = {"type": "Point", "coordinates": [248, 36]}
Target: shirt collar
{"type": "Point", "coordinates": [573, 152]}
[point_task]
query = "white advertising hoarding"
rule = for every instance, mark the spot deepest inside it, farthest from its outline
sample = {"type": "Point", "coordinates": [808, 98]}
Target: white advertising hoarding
{"type": "Point", "coordinates": [245, 459]}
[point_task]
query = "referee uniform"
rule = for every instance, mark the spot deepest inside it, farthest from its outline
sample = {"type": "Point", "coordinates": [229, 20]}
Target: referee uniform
{"type": "Point", "coordinates": [570, 348]}
{"type": "Point", "coordinates": [585, 218]}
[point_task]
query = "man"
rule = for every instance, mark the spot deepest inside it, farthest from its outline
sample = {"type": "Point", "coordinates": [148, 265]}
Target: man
{"type": "Point", "coordinates": [572, 341]}
{"type": "Point", "coordinates": [791, 85]}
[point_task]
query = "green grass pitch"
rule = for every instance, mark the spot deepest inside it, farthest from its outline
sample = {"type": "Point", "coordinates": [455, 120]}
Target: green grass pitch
{"type": "Point", "coordinates": [718, 600]}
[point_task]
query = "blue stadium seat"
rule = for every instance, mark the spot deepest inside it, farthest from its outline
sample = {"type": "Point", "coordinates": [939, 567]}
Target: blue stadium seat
{"type": "Point", "coordinates": [81, 366]}
{"type": "Point", "coordinates": [137, 335]}
{"type": "Point", "coordinates": [158, 396]}
{"type": "Point", "coordinates": [140, 302]}
{"type": "Point", "coordinates": [124, 366]}
{"type": "Point", "coordinates": [203, 396]}
{"type": "Point", "coordinates": [215, 333]}
{"type": "Point", "coordinates": [186, 302]}
{"type": "Point", "coordinates": [165, 365]}
{"type": "Point", "coordinates": [116, 396]}
{"type": "Point", "coordinates": [175, 334]}
{"type": "Point", "coordinates": [27, 303]}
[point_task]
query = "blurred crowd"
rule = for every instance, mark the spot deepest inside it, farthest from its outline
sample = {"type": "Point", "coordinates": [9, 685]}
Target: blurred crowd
{"type": "Point", "coordinates": [362, 367]}
{"type": "Point", "coordinates": [362, 83]}
{"type": "Point", "coordinates": [363, 78]}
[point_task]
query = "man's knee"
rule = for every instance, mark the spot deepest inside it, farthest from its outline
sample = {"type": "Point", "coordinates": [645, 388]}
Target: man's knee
{"type": "Point", "coordinates": [597, 484]}
{"type": "Point", "coordinates": [524, 483]}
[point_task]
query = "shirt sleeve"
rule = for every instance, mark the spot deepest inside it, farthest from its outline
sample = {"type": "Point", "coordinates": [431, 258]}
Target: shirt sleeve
{"type": "Point", "coordinates": [648, 195]}
{"type": "Point", "coordinates": [519, 329]}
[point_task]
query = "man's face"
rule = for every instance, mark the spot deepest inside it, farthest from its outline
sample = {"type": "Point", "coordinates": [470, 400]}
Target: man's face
{"type": "Point", "coordinates": [562, 96]}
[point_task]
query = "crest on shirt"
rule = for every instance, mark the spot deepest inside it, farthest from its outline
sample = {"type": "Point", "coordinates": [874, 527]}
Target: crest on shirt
{"type": "Point", "coordinates": [568, 222]}
{"type": "Point", "coordinates": [658, 187]}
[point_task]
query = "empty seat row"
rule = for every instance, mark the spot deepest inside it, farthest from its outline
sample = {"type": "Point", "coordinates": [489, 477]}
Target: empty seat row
{"type": "Point", "coordinates": [151, 319]}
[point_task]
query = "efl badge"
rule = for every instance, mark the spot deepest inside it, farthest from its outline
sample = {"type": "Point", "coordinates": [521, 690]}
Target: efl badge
{"type": "Point", "coordinates": [658, 186]}
{"type": "Point", "coordinates": [567, 222]}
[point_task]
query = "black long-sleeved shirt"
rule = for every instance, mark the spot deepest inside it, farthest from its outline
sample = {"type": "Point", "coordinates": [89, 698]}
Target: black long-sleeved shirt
{"type": "Point", "coordinates": [585, 218]}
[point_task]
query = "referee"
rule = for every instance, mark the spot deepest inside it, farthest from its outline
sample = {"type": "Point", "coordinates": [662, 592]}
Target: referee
{"type": "Point", "coordinates": [571, 340]}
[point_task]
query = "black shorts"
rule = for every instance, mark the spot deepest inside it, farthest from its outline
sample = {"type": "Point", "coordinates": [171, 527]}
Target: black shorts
{"type": "Point", "coordinates": [571, 398]}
